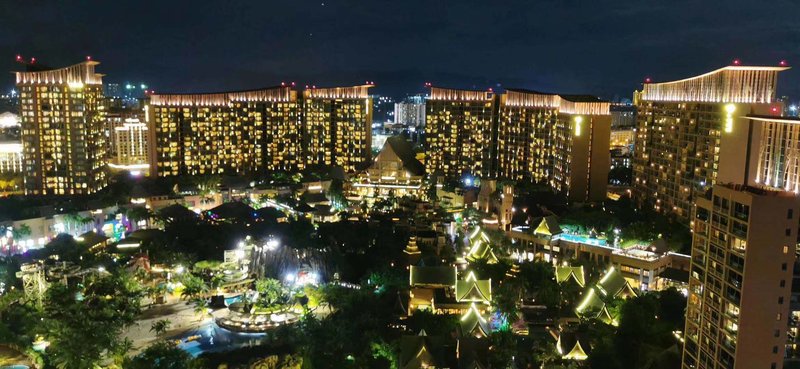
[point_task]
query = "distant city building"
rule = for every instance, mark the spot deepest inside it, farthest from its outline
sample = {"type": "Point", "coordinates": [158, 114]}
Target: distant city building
{"type": "Point", "coordinates": [62, 130]}
{"type": "Point", "coordinates": [562, 140]}
{"type": "Point", "coordinates": [382, 108]}
{"type": "Point", "coordinates": [622, 116]}
{"type": "Point", "coordinates": [740, 282]}
{"type": "Point", "coordinates": [131, 147]}
{"type": "Point", "coordinates": [9, 120]}
{"type": "Point", "coordinates": [411, 114]}
{"type": "Point", "coordinates": [681, 128]}
{"type": "Point", "coordinates": [113, 90]}
{"type": "Point", "coordinates": [458, 132]}
{"type": "Point", "coordinates": [10, 157]}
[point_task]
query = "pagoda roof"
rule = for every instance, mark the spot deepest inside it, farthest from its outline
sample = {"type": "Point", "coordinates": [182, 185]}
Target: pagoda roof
{"type": "Point", "coordinates": [548, 226]}
{"type": "Point", "coordinates": [233, 210]}
{"type": "Point", "coordinates": [405, 152]}
{"type": "Point", "coordinates": [573, 346]}
{"type": "Point", "coordinates": [615, 285]}
{"type": "Point", "coordinates": [472, 323]}
{"type": "Point", "coordinates": [177, 212]}
{"type": "Point", "coordinates": [564, 274]}
{"type": "Point", "coordinates": [472, 289]}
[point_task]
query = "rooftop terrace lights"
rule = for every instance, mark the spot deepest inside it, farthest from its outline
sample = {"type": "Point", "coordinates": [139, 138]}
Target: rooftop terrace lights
{"type": "Point", "coordinates": [439, 93]}
{"type": "Point", "coordinates": [354, 92]}
{"type": "Point", "coordinates": [73, 75]}
{"type": "Point", "coordinates": [271, 94]}
{"type": "Point", "coordinates": [569, 104]}
{"type": "Point", "coordinates": [731, 84]}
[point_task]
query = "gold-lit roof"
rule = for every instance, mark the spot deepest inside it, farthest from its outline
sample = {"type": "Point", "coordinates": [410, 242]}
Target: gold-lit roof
{"type": "Point", "coordinates": [731, 84]}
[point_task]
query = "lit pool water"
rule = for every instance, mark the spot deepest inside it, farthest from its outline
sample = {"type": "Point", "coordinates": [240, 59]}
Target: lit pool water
{"type": "Point", "coordinates": [211, 338]}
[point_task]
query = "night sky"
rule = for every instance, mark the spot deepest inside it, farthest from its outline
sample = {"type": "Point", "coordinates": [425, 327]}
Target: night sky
{"type": "Point", "coordinates": [592, 46]}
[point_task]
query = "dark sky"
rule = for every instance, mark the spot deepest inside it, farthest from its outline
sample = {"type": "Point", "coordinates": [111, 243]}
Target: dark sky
{"type": "Point", "coordinates": [588, 46]}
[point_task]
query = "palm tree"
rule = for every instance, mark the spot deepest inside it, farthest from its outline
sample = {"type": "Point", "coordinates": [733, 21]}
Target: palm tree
{"type": "Point", "coordinates": [200, 307]}
{"type": "Point", "coordinates": [159, 327]}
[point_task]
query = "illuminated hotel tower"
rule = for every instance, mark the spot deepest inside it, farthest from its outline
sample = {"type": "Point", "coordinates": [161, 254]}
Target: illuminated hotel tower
{"type": "Point", "coordinates": [338, 124]}
{"type": "Point", "coordinates": [225, 133]}
{"type": "Point", "coordinates": [740, 283]}
{"type": "Point", "coordinates": [62, 122]}
{"type": "Point", "coordinates": [562, 140]}
{"type": "Point", "coordinates": [458, 132]}
{"type": "Point", "coordinates": [679, 138]}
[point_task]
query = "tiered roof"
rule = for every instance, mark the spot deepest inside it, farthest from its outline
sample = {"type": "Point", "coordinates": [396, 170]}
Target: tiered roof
{"type": "Point", "coordinates": [566, 273]}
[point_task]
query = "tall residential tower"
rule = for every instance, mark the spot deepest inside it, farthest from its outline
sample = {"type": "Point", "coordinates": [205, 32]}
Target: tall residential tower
{"type": "Point", "coordinates": [62, 121]}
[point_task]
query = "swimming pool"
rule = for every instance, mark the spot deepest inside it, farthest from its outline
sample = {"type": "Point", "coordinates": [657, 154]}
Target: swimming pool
{"type": "Point", "coordinates": [20, 366]}
{"type": "Point", "coordinates": [582, 239]}
{"type": "Point", "coordinates": [210, 338]}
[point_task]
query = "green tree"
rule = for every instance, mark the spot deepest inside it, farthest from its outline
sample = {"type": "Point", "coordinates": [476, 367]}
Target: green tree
{"type": "Point", "coordinates": [163, 355]}
{"type": "Point", "coordinates": [270, 292]}
{"type": "Point", "coordinates": [21, 231]}
{"type": "Point", "coordinates": [83, 323]}
{"type": "Point", "coordinates": [193, 287]}
{"type": "Point", "coordinates": [159, 327]}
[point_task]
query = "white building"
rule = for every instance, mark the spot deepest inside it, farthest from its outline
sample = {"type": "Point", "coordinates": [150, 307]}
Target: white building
{"type": "Point", "coordinates": [411, 114]}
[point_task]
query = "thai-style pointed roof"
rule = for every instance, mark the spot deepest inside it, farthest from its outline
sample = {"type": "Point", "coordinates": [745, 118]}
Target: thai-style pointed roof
{"type": "Point", "coordinates": [481, 250]}
{"type": "Point", "coordinates": [411, 247]}
{"type": "Point", "coordinates": [474, 324]}
{"type": "Point", "coordinates": [473, 353]}
{"type": "Point", "coordinates": [615, 285]}
{"type": "Point", "coordinates": [423, 351]}
{"type": "Point", "coordinates": [177, 212]}
{"type": "Point", "coordinates": [473, 289]}
{"type": "Point", "coordinates": [405, 152]}
{"type": "Point", "coordinates": [548, 226]}
{"type": "Point", "coordinates": [572, 346]}
{"type": "Point", "coordinates": [566, 273]}
{"type": "Point", "coordinates": [593, 306]}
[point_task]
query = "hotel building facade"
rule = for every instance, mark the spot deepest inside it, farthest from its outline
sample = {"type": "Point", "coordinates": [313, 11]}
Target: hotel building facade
{"type": "Point", "coordinates": [62, 119]}
{"type": "Point", "coordinates": [224, 133]}
{"type": "Point", "coordinates": [522, 135]}
{"type": "Point", "coordinates": [338, 123]}
{"type": "Point", "coordinates": [562, 140]}
{"type": "Point", "coordinates": [679, 136]}
{"type": "Point", "coordinates": [740, 283]}
{"type": "Point", "coordinates": [459, 132]}
{"type": "Point", "coordinates": [268, 129]}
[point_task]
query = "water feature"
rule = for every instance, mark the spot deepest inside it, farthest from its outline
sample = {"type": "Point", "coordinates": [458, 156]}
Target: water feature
{"type": "Point", "coordinates": [209, 337]}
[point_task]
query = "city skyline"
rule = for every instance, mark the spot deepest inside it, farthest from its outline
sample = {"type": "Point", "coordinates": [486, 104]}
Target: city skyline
{"type": "Point", "coordinates": [607, 49]}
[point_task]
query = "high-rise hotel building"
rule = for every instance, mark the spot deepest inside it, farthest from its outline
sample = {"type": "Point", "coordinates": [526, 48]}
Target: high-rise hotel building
{"type": "Point", "coordinates": [740, 282]}
{"type": "Point", "coordinates": [338, 123]}
{"type": "Point", "coordinates": [62, 121]}
{"type": "Point", "coordinates": [225, 133]}
{"type": "Point", "coordinates": [562, 140]}
{"type": "Point", "coordinates": [267, 129]}
{"type": "Point", "coordinates": [460, 132]}
{"type": "Point", "coordinates": [522, 135]}
{"type": "Point", "coordinates": [680, 128]}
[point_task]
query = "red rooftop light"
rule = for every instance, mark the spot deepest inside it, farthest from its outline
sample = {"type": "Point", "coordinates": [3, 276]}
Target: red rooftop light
{"type": "Point", "coordinates": [33, 60]}
{"type": "Point", "coordinates": [19, 57]}
{"type": "Point", "coordinates": [737, 62]}
{"type": "Point", "coordinates": [784, 63]}
{"type": "Point", "coordinates": [647, 80]}
{"type": "Point", "coordinates": [88, 57]}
